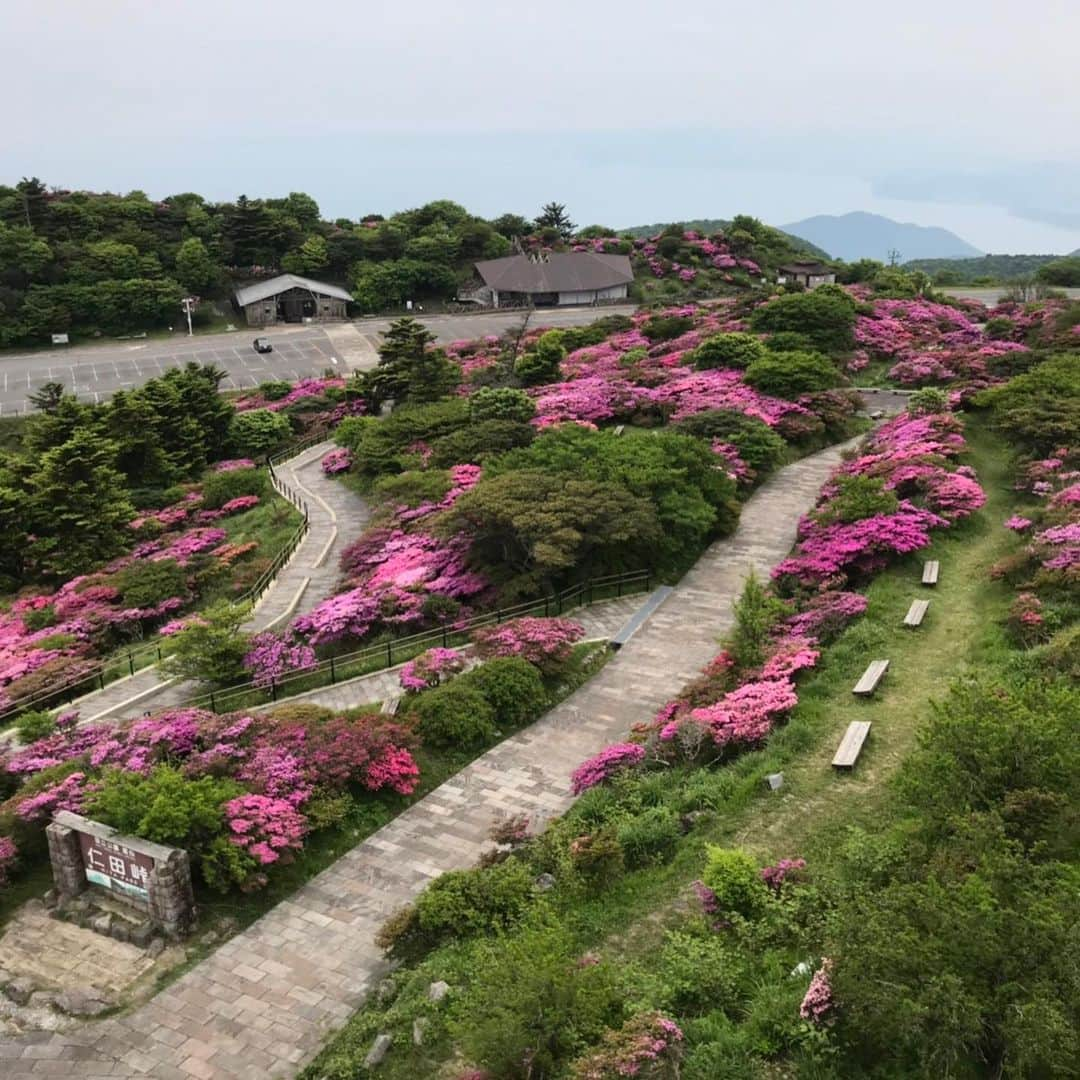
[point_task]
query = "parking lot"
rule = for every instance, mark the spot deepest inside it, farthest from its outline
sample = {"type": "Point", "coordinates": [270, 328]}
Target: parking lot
{"type": "Point", "coordinates": [94, 372]}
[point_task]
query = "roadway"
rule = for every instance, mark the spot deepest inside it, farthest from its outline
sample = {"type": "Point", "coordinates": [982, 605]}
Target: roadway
{"type": "Point", "coordinates": [94, 372]}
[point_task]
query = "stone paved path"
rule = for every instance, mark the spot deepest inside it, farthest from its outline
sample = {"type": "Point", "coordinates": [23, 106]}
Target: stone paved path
{"type": "Point", "coordinates": [336, 517]}
{"type": "Point", "coordinates": [264, 1003]}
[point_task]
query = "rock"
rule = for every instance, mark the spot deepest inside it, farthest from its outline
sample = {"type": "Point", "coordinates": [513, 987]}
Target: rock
{"type": "Point", "coordinates": [545, 882]}
{"type": "Point", "coordinates": [19, 990]}
{"type": "Point", "coordinates": [101, 924]}
{"type": "Point", "coordinates": [227, 925]}
{"type": "Point", "coordinates": [689, 820]}
{"type": "Point", "coordinates": [379, 1049]}
{"type": "Point", "coordinates": [438, 990]}
{"type": "Point", "coordinates": [418, 1027]}
{"type": "Point", "coordinates": [42, 999]}
{"type": "Point", "coordinates": [141, 934]}
{"type": "Point", "coordinates": [155, 948]}
{"type": "Point", "coordinates": [51, 899]}
{"type": "Point", "coordinates": [36, 904]}
{"type": "Point", "coordinates": [387, 991]}
{"type": "Point", "coordinates": [120, 930]}
{"type": "Point", "coordinates": [81, 1002]}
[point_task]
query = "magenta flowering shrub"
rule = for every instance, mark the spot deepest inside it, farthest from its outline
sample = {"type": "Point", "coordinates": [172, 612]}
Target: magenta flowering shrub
{"type": "Point", "coordinates": [818, 1002]}
{"type": "Point", "coordinates": [647, 1046]}
{"type": "Point", "coordinates": [609, 762]}
{"type": "Point", "coordinates": [1018, 523]}
{"type": "Point", "coordinates": [8, 855]}
{"type": "Point", "coordinates": [546, 643]}
{"type": "Point", "coordinates": [431, 668]}
{"type": "Point", "coordinates": [267, 829]}
{"type": "Point", "coordinates": [233, 464]}
{"type": "Point", "coordinates": [69, 794]}
{"type": "Point", "coordinates": [784, 870]}
{"type": "Point", "coordinates": [303, 390]}
{"type": "Point", "coordinates": [337, 461]}
{"type": "Point", "coordinates": [272, 656]}
{"type": "Point", "coordinates": [239, 504]}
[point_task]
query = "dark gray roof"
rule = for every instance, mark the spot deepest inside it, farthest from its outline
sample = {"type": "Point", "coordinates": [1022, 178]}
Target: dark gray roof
{"type": "Point", "coordinates": [263, 290]}
{"type": "Point", "coordinates": [574, 271]}
{"type": "Point", "coordinates": [809, 267]}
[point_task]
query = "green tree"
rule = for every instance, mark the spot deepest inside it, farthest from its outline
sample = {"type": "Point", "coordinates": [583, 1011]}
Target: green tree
{"type": "Point", "coordinates": [511, 225]}
{"type": "Point", "coordinates": [504, 403]}
{"type": "Point", "coordinates": [195, 270]}
{"type": "Point", "coordinates": [1061, 272]}
{"type": "Point", "coordinates": [258, 431]}
{"type": "Point", "coordinates": [727, 351]}
{"type": "Point", "coordinates": [541, 363]}
{"type": "Point", "coordinates": [756, 612]}
{"type": "Point", "coordinates": [553, 215]}
{"type": "Point", "coordinates": [79, 506]}
{"type": "Point", "coordinates": [311, 257]}
{"type": "Point", "coordinates": [210, 649]}
{"type": "Point", "coordinates": [409, 369]}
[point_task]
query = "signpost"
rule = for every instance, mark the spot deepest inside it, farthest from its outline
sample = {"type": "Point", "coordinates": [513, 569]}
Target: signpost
{"type": "Point", "coordinates": [152, 878]}
{"type": "Point", "coordinates": [59, 339]}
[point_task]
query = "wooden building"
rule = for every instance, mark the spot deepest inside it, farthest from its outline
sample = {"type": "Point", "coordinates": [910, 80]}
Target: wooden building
{"type": "Point", "coordinates": [289, 298]}
{"type": "Point", "coordinates": [808, 274]}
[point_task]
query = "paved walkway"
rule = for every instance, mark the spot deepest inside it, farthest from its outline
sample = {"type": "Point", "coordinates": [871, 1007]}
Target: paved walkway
{"type": "Point", "coordinates": [263, 1004]}
{"type": "Point", "coordinates": [336, 517]}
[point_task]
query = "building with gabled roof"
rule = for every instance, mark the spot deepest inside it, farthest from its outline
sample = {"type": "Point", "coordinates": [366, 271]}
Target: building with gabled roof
{"type": "Point", "coordinates": [290, 298]}
{"type": "Point", "coordinates": [556, 278]}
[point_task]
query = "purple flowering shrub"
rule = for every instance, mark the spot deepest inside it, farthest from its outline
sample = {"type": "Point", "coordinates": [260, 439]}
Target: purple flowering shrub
{"type": "Point", "coordinates": [273, 655]}
{"type": "Point", "coordinates": [545, 643]}
{"type": "Point", "coordinates": [430, 669]}
{"type": "Point", "coordinates": [338, 460]}
{"type": "Point", "coordinates": [647, 1046]}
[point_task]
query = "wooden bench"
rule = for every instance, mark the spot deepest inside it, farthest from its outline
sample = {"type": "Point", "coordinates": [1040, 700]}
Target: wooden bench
{"type": "Point", "coordinates": [390, 706]}
{"type": "Point", "coordinates": [930, 572]}
{"type": "Point", "coordinates": [620, 429]}
{"type": "Point", "coordinates": [871, 677]}
{"type": "Point", "coordinates": [916, 613]}
{"type": "Point", "coordinates": [847, 753]}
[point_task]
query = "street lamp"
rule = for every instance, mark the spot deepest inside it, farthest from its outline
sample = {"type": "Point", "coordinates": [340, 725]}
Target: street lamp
{"type": "Point", "coordinates": [188, 304]}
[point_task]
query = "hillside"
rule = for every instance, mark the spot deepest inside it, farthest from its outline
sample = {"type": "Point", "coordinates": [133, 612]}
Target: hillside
{"type": "Point", "coordinates": [860, 235]}
{"type": "Point", "coordinates": [993, 267]}
{"type": "Point", "coordinates": [709, 226]}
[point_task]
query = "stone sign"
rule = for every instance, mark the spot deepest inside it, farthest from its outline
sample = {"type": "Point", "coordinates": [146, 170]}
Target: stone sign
{"type": "Point", "coordinates": [150, 877]}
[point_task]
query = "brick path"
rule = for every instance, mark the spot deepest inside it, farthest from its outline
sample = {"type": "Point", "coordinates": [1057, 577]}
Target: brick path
{"type": "Point", "coordinates": [264, 1003]}
{"type": "Point", "coordinates": [336, 517]}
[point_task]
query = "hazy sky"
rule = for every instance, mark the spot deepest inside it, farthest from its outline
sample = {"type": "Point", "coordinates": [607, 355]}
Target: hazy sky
{"type": "Point", "coordinates": [962, 114]}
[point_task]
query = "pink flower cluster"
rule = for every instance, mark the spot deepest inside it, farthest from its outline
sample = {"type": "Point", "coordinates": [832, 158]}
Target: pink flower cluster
{"type": "Point", "coordinates": [301, 391]}
{"type": "Point", "coordinates": [431, 668]}
{"type": "Point", "coordinates": [775, 876]}
{"type": "Point", "coordinates": [233, 464]}
{"type": "Point", "coordinates": [272, 656]}
{"type": "Point", "coordinates": [8, 855]}
{"type": "Point", "coordinates": [643, 1046]}
{"type": "Point", "coordinates": [337, 461]}
{"type": "Point", "coordinates": [267, 829]}
{"type": "Point", "coordinates": [543, 642]}
{"type": "Point", "coordinates": [818, 1002]}
{"type": "Point", "coordinates": [611, 761]}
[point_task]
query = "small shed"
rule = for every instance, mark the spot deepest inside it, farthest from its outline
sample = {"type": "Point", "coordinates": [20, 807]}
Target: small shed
{"type": "Point", "coordinates": [808, 274]}
{"type": "Point", "coordinates": [554, 279]}
{"type": "Point", "coordinates": [290, 298]}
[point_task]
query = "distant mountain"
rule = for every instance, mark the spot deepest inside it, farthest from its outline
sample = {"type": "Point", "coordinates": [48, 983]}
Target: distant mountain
{"type": "Point", "coordinates": [708, 226]}
{"type": "Point", "coordinates": [870, 236]}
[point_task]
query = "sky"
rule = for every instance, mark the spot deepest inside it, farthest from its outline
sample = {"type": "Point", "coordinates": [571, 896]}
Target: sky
{"type": "Point", "coordinates": [961, 114]}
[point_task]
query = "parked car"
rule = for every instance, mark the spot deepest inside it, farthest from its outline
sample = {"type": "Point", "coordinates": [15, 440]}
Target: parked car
{"type": "Point", "coordinates": [262, 345]}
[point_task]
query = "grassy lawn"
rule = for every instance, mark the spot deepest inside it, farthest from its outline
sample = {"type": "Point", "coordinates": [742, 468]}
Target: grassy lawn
{"type": "Point", "coordinates": [627, 921]}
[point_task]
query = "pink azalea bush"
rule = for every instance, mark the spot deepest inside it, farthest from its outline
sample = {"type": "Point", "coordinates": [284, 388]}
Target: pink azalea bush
{"type": "Point", "coordinates": [273, 656]}
{"type": "Point", "coordinates": [430, 669]}
{"type": "Point", "coordinates": [784, 870]}
{"type": "Point", "coordinates": [265, 828]}
{"type": "Point", "coordinates": [546, 643]}
{"type": "Point", "coordinates": [647, 1046]}
{"type": "Point", "coordinates": [610, 761]}
{"type": "Point", "coordinates": [8, 856]}
{"type": "Point", "coordinates": [338, 460]}
{"type": "Point", "coordinates": [818, 1004]}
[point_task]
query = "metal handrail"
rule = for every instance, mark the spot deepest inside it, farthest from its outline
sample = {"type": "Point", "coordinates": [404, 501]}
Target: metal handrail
{"type": "Point", "coordinates": [382, 654]}
{"type": "Point", "coordinates": [248, 597]}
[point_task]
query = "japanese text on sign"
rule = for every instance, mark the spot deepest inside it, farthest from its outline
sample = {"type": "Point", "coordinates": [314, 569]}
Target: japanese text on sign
{"type": "Point", "coordinates": [114, 866]}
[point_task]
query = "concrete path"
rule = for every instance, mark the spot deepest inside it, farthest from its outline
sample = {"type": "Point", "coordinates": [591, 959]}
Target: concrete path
{"type": "Point", "coordinates": [336, 517]}
{"type": "Point", "coordinates": [264, 1003]}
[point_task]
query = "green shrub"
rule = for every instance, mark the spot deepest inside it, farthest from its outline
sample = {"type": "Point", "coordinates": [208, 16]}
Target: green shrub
{"type": "Point", "coordinates": [258, 431]}
{"type": "Point", "coordinates": [480, 900]}
{"type": "Point", "coordinates": [1040, 409]}
{"type": "Point", "coordinates": [598, 857]}
{"type": "Point", "coordinates": [502, 403]}
{"type": "Point", "coordinates": [541, 363]}
{"type": "Point", "coordinates": [734, 877]}
{"type": "Point", "coordinates": [857, 497]}
{"type": "Point", "coordinates": [757, 611]}
{"type": "Point", "coordinates": [412, 488]}
{"type": "Point", "coordinates": [930, 399]}
{"type": "Point", "coordinates": [727, 351]}
{"type": "Point", "coordinates": [826, 316]}
{"type": "Point", "coordinates": [218, 488]}
{"type": "Point", "coordinates": [788, 375]}
{"type": "Point", "coordinates": [1000, 328]}
{"type": "Point", "coordinates": [39, 618]}
{"type": "Point", "coordinates": [512, 687]}
{"type": "Point", "coordinates": [579, 337]}
{"type": "Point", "coordinates": [649, 837]}
{"type": "Point", "coordinates": [666, 327]}
{"type": "Point", "coordinates": [695, 973]}
{"type": "Point", "coordinates": [455, 714]}
{"type": "Point", "coordinates": [144, 583]}
{"type": "Point", "coordinates": [34, 725]}
{"type": "Point", "coordinates": [225, 866]}
{"type": "Point", "coordinates": [788, 341]}
{"type": "Point", "coordinates": [274, 390]}
{"type": "Point", "coordinates": [211, 650]}
{"type": "Point", "coordinates": [759, 446]}
{"type": "Point", "coordinates": [528, 999]}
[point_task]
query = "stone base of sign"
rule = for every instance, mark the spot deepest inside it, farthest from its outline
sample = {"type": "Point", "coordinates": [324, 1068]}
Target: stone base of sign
{"type": "Point", "coordinates": [166, 899]}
